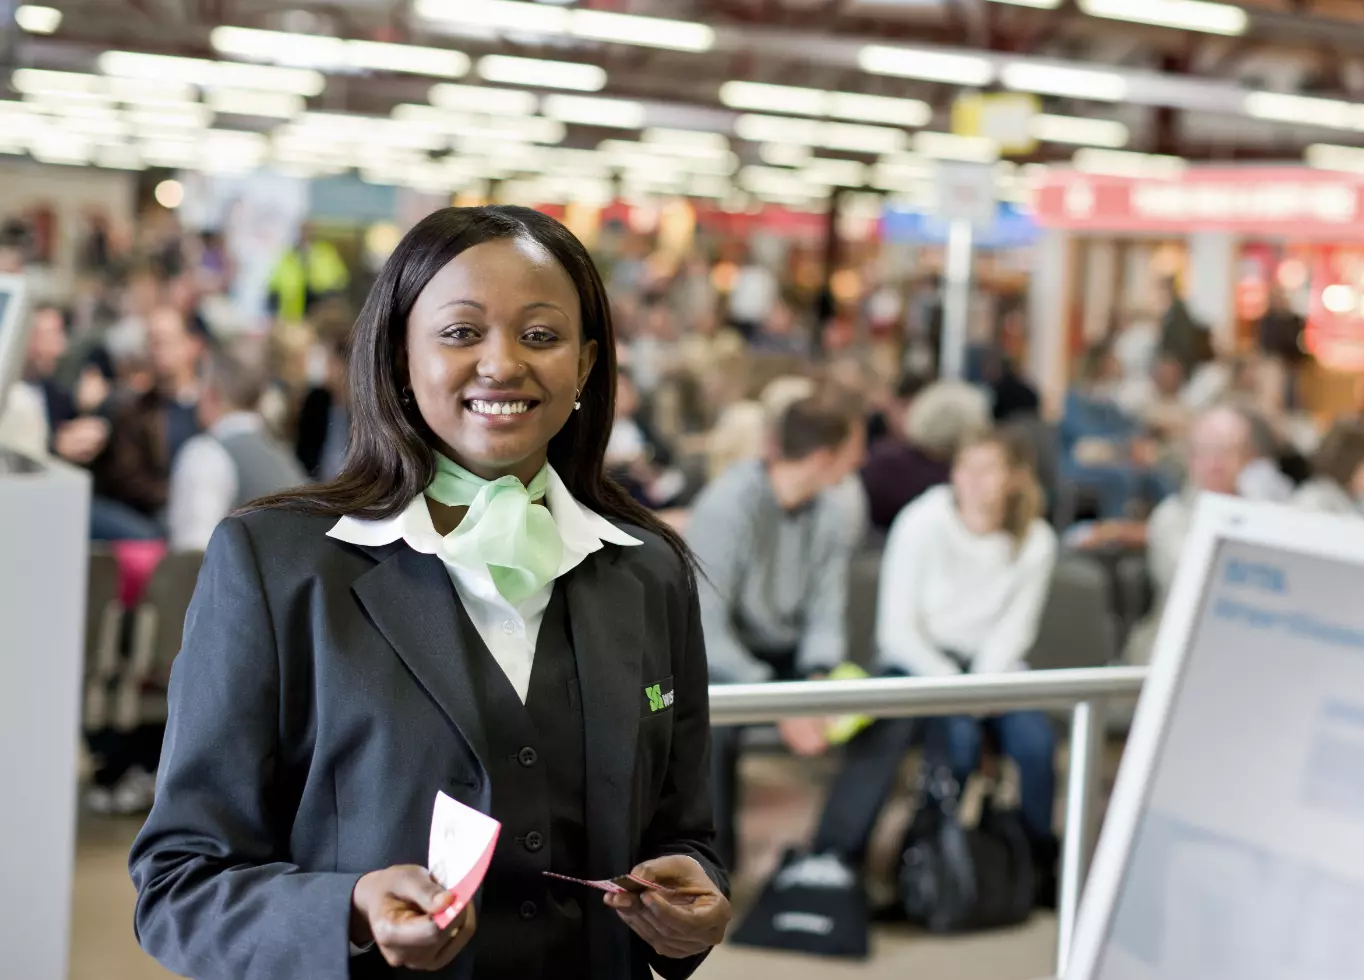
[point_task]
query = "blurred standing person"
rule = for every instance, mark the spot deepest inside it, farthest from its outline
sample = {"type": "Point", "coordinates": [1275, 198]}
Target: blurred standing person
{"type": "Point", "coordinates": [772, 542]}
{"type": "Point", "coordinates": [76, 432]}
{"type": "Point", "coordinates": [653, 351]}
{"type": "Point", "coordinates": [14, 246]}
{"type": "Point", "coordinates": [751, 299]}
{"type": "Point", "coordinates": [1279, 334]}
{"type": "Point", "coordinates": [132, 475]}
{"type": "Point", "coordinates": [1337, 484]}
{"type": "Point", "coordinates": [782, 332]}
{"type": "Point", "coordinates": [694, 294]}
{"type": "Point", "coordinates": [1014, 396]}
{"type": "Point", "coordinates": [234, 460]}
{"type": "Point", "coordinates": [306, 274]}
{"type": "Point", "coordinates": [324, 417]}
{"type": "Point", "coordinates": [1181, 335]}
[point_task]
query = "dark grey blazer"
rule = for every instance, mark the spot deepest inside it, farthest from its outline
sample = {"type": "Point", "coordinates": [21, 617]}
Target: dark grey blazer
{"type": "Point", "coordinates": [322, 697]}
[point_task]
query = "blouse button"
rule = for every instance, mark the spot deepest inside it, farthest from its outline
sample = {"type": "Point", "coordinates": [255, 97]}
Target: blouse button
{"type": "Point", "coordinates": [527, 756]}
{"type": "Point", "coordinates": [529, 910]}
{"type": "Point", "coordinates": [534, 841]}
{"type": "Point", "coordinates": [509, 627]}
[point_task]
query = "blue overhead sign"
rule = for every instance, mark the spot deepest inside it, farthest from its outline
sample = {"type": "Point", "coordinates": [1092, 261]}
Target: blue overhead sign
{"type": "Point", "coordinates": [1012, 228]}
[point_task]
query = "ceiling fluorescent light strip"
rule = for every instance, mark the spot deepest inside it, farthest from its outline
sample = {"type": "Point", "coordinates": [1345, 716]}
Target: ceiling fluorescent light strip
{"type": "Point", "coordinates": [211, 74]}
{"type": "Point", "coordinates": [1304, 109]}
{"type": "Point", "coordinates": [1185, 15]}
{"type": "Point", "coordinates": [1325, 156]}
{"type": "Point", "coordinates": [1084, 132]}
{"type": "Point", "coordinates": [590, 111]}
{"type": "Point", "coordinates": [927, 65]}
{"type": "Point", "coordinates": [478, 98]}
{"type": "Point", "coordinates": [541, 74]}
{"type": "Point", "coordinates": [596, 25]}
{"type": "Point", "coordinates": [36, 19]}
{"type": "Point", "coordinates": [1078, 83]}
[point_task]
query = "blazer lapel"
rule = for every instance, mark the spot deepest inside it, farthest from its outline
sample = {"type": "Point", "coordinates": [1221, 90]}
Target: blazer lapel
{"type": "Point", "coordinates": [413, 603]}
{"type": "Point", "coordinates": [606, 612]}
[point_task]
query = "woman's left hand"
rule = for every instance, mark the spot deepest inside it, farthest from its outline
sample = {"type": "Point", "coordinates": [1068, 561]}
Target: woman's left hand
{"type": "Point", "coordinates": [686, 918]}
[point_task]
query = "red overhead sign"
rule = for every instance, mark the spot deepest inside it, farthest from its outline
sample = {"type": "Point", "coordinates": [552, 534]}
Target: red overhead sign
{"type": "Point", "coordinates": [1289, 201]}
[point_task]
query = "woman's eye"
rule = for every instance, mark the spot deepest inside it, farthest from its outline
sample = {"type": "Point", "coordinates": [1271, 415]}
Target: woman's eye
{"type": "Point", "coordinates": [460, 331]}
{"type": "Point", "coordinates": [541, 335]}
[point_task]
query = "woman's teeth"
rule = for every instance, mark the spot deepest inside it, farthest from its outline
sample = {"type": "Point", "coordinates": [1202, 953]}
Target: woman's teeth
{"type": "Point", "coordinates": [499, 408]}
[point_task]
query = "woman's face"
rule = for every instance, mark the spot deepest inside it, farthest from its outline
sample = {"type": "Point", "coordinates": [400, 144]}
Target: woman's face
{"type": "Point", "coordinates": [982, 478]}
{"type": "Point", "coordinates": [496, 356]}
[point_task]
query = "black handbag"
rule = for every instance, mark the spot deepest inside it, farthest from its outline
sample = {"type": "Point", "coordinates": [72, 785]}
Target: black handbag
{"type": "Point", "coordinates": [966, 863]}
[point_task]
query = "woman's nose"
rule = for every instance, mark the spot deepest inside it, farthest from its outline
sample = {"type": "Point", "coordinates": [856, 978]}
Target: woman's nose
{"type": "Point", "coordinates": [500, 358]}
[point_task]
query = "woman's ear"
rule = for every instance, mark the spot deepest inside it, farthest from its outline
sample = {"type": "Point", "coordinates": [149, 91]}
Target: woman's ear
{"type": "Point", "coordinates": [587, 359]}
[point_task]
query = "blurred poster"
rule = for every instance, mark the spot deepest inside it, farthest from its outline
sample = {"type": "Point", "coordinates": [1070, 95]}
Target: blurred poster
{"type": "Point", "coordinates": [259, 216]}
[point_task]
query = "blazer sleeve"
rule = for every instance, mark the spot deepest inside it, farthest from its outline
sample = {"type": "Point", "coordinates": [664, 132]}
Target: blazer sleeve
{"type": "Point", "coordinates": [218, 897]}
{"type": "Point", "coordinates": [683, 821]}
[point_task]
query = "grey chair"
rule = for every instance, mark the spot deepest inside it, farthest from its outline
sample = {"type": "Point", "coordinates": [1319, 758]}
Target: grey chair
{"type": "Point", "coordinates": [158, 624]}
{"type": "Point", "coordinates": [1078, 627]}
{"type": "Point", "coordinates": [103, 630]}
{"type": "Point", "coordinates": [864, 578]}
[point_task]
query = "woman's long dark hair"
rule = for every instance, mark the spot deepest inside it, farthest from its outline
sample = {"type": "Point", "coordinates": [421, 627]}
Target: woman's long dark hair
{"type": "Point", "coordinates": [389, 458]}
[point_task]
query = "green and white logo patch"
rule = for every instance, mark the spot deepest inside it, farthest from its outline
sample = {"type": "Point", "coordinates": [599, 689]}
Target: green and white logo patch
{"type": "Point", "coordinates": [658, 697]}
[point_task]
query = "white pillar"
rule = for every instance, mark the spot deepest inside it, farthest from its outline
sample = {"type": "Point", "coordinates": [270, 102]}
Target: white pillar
{"type": "Point", "coordinates": [1048, 311]}
{"type": "Point", "coordinates": [44, 527]}
{"type": "Point", "coordinates": [1100, 287]}
{"type": "Point", "coordinates": [1211, 284]}
{"type": "Point", "coordinates": [956, 300]}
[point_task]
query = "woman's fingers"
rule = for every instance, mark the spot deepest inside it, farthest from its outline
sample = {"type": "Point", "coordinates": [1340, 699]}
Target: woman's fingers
{"type": "Point", "coordinates": [647, 930]}
{"type": "Point", "coordinates": [460, 933]}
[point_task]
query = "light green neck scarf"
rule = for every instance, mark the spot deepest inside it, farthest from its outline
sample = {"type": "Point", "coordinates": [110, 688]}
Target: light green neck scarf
{"type": "Point", "coordinates": [504, 532]}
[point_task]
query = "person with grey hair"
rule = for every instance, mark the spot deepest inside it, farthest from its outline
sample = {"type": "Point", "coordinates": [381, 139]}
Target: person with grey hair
{"type": "Point", "coordinates": [1230, 451]}
{"type": "Point", "coordinates": [235, 460]}
{"type": "Point", "coordinates": [938, 418]}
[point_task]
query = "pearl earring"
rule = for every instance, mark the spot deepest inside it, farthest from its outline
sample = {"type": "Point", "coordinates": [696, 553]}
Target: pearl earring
{"type": "Point", "coordinates": [577, 396]}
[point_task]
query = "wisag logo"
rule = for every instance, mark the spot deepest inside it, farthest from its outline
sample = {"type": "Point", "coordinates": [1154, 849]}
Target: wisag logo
{"type": "Point", "coordinates": [1257, 576]}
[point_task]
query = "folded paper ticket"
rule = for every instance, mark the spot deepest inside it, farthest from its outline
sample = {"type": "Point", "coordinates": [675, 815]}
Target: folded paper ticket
{"type": "Point", "coordinates": [462, 843]}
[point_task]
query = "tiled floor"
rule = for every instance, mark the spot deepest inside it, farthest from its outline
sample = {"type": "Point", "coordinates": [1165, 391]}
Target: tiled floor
{"type": "Point", "coordinates": [779, 809]}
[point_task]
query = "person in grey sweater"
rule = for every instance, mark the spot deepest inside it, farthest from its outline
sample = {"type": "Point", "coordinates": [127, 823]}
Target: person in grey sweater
{"type": "Point", "coordinates": [774, 542]}
{"type": "Point", "coordinates": [233, 461]}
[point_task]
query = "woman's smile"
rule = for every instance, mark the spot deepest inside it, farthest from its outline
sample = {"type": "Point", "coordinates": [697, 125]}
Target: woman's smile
{"type": "Point", "coordinates": [501, 412]}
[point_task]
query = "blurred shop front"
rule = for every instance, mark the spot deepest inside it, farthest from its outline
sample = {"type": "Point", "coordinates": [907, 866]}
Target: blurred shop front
{"type": "Point", "coordinates": [1229, 238]}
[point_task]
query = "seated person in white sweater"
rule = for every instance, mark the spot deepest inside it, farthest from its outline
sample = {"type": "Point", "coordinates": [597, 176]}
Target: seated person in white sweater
{"type": "Point", "coordinates": [965, 574]}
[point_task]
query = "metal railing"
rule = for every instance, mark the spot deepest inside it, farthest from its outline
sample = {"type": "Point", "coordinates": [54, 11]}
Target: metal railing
{"type": "Point", "coordinates": [1085, 692]}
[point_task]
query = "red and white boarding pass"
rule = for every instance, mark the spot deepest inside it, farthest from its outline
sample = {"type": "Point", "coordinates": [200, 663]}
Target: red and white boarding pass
{"type": "Point", "coordinates": [613, 886]}
{"type": "Point", "coordinates": [462, 843]}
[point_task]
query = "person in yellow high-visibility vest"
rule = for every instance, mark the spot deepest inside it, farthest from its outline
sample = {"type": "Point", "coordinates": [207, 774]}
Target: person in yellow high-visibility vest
{"type": "Point", "coordinates": [310, 271]}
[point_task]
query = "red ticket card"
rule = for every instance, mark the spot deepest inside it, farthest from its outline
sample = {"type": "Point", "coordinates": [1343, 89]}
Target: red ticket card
{"type": "Point", "coordinates": [613, 886]}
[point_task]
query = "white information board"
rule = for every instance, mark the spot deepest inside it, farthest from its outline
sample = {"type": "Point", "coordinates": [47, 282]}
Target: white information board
{"type": "Point", "coordinates": [1234, 844]}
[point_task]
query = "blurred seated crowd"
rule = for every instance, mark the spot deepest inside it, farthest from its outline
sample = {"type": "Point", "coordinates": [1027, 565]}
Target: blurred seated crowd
{"type": "Point", "coordinates": [784, 454]}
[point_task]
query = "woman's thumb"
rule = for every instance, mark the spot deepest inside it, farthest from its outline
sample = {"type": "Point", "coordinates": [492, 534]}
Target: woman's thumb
{"type": "Point", "coordinates": [417, 887]}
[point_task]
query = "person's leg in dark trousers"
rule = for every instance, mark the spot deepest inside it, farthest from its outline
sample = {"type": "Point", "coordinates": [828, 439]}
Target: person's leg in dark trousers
{"type": "Point", "coordinates": [871, 761]}
{"type": "Point", "coordinates": [724, 783]}
{"type": "Point", "coordinates": [1028, 739]}
{"type": "Point", "coordinates": [958, 738]}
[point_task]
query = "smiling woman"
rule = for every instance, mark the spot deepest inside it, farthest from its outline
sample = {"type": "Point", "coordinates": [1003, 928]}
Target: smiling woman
{"type": "Point", "coordinates": [470, 607]}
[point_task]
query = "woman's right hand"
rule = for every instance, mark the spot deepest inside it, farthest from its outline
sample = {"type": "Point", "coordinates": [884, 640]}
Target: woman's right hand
{"type": "Point", "coordinates": [393, 909]}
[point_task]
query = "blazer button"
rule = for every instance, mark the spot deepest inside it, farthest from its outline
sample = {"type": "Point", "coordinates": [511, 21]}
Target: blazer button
{"type": "Point", "coordinates": [529, 910]}
{"type": "Point", "coordinates": [527, 756]}
{"type": "Point", "coordinates": [534, 841]}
